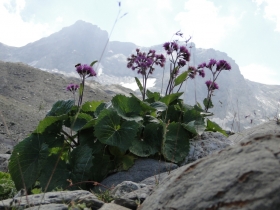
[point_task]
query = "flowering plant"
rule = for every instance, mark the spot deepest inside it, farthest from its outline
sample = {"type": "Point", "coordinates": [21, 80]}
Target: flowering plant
{"type": "Point", "coordinates": [86, 142]}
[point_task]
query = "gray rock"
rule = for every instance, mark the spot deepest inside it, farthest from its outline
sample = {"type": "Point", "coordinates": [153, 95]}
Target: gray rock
{"type": "Point", "coordinates": [139, 195]}
{"type": "Point", "coordinates": [49, 206]}
{"type": "Point", "coordinates": [124, 187]}
{"type": "Point", "coordinates": [206, 144]}
{"type": "Point", "coordinates": [245, 176]}
{"type": "Point", "coordinates": [62, 197]}
{"type": "Point", "coordinates": [4, 158]}
{"type": "Point", "coordinates": [130, 204]}
{"type": "Point", "coordinates": [142, 169]}
{"type": "Point", "coordinates": [112, 206]}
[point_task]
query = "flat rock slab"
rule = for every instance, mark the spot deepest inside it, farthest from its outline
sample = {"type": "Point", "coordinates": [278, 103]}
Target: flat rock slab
{"type": "Point", "coordinates": [245, 176]}
{"type": "Point", "coordinates": [62, 197]}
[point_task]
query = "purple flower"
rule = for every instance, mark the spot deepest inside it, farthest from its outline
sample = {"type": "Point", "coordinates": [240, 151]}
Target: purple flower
{"type": "Point", "coordinates": [193, 72]}
{"type": "Point", "coordinates": [202, 65]}
{"type": "Point", "coordinates": [72, 88]}
{"type": "Point", "coordinates": [211, 85]}
{"type": "Point", "coordinates": [85, 70]}
{"type": "Point", "coordinates": [166, 46]}
{"type": "Point", "coordinates": [181, 63]}
{"type": "Point", "coordinates": [211, 63]}
{"type": "Point", "coordinates": [223, 65]}
{"type": "Point", "coordinates": [201, 73]}
{"type": "Point", "coordinates": [183, 49]}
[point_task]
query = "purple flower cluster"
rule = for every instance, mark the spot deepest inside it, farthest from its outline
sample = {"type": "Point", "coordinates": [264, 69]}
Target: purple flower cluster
{"type": "Point", "coordinates": [194, 71]}
{"type": "Point", "coordinates": [211, 85]}
{"type": "Point", "coordinates": [220, 65]}
{"type": "Point", "coordinates": [72, 88]}
{"type": "Point", "coordinates": [144, 61]}
{"type": "Point", "coordinates": [85, 70]}
{"type": "Point", "coordinates": [182, 52]}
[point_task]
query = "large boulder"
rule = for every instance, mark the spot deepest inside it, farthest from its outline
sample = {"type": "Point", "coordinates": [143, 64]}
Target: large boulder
{"type": "Point", "coordinates": [244, 176]}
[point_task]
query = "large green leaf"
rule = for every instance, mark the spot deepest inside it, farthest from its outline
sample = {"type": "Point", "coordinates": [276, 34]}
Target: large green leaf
{"type": "Point", "coordinates": [79, 121]}
{"type": "Point", "coordinates": [128, 108]}
{"type": "Point", "coordinates": [173, 113]}
{"type": "Point", "coordinates": [159, 106]}
{"type": "Point", "coordinates": [61, 107]}
{"type": "Point", "coordinates": [170, 98]}
{"type": "Point", "coordinates": [24, 165]}
{"type": "Point", "coordinates": [50, 124]}
{"type": "Point", "coordinates": [101, 165]}
{"type": "Point", "coordinates": [81, 163]}
{"type": "Point", "coordinates": [192, 115]}
{"type": "Point", "coordinates": [90, 106]}
{"type": "Point", "coordinates": [87, 137]}
{"type": "Point", "coordinates": [57, 172]}
{"type": "Point", "coordinates": [111, 130]}
{"type": "Point", "coordinates": [149, 141]}
{"type": "Point", "coordinates": [181, 78]}
{"type": "Point", "coordinates": [195, 127]}
{"type": "Point", "coordinates": [176, 143]}
{"type": "Point", "coordinates": [212, 126]}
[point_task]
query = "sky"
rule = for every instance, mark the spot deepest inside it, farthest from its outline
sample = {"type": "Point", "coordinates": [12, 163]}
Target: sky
{"type": "Point", "coordinates": [247, 30]}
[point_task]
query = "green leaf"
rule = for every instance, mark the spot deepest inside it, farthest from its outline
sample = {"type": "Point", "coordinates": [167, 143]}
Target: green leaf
{"type": "Point", "coordinates": [127, 161]}
{"type": "Point", "coordinates": [170, 98]}
{"type": "Point", "coordinates": [139, 85]}
{"type": "Point", "coordinates": [54, 121]}
{"type": "Point", "coordinates": [192, 115]}
{"type": "Point", "coordinates": [101, 165]}
{"type": "Point", "coordinates": [87, 137]}
{"type": "Point", "coordinates": [173, 113]}
{"type": "Point", "coordinates": [208, 103]}
{"type": "Point", "coordinates": [81, 163]}
{"type": "Point", "coordinates": [195, 127]}
{"type": "Point", "coordinates": [159, 106]}
{"type": "Point", "coordinates": [59, 173]}
{"type": "Point", "coordinates": [61, 108]}
{"type": "Point", "coordinates": [80, 121]}
{"type": "Point", "coordinates": [26, 159]}
{"type": "Point", "coordinates": [128, 108]}
{"type": "Point", "coordinates": [90, 106]}
{"type": "Point", "coordinates": [155, 95]}
{"type": "Point", "coordinates": [176, 143]}
{"type": "Point", "coordinates": [101, 107]}
{"type": "Point", "coordinates": [93, 62]}
{"type": "Point", "coordinates": [212, 126]}
{"type": "Point", "coordinates": [181, 78]}
{"type": "Point", "coordinates": [149, 142]}
{"type": "Point", "coordinates": [110, 130]}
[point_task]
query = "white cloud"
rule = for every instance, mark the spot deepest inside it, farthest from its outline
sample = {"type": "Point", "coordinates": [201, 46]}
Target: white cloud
{"type": "Point", "coordinates": [17, 32]}
{"type": "Point", "coordinates": [260, 73]}
{"type": "Point", "coordinates": [271, 11]}
{"type": "Point", "coordinates": [59, 19]}
{"type": "Point", "coordinates": [202, 21]}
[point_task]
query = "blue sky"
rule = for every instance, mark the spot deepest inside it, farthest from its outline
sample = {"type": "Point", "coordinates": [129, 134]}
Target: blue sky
{"type": "Point", "coordinates": [247, 30]}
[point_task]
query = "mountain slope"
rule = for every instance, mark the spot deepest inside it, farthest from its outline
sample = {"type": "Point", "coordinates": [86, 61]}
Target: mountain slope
{"type": "Point", "coordinates": [239, 103]}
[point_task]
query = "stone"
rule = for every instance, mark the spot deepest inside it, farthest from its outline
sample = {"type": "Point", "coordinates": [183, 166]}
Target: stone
{"type": "Point", "coordinates": [206, 144]}
{"type": "Point", "coordinates": [243, 176]}
{"type": "Point", "coordinates": [4, 161]}
{"type": "Point", "coordinates": [61, 197]}
{"type": "Point", "coordinates": [130, 204]}
{"type": "Point", "coordinates": [125, 187]}
{"type": "Point", "coordinates": [142, 169]}
{"type": "Point", "coordinates": [112, 206]}
{"type": "Point", "coordinates": [139, 195]}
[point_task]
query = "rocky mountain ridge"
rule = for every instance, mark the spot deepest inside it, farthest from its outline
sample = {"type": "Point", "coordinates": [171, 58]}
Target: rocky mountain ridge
{"type": "Point", "coordinates": [238, 104]}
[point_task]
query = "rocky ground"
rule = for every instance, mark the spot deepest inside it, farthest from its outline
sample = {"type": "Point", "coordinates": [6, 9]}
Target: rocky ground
{"type": "Point", "coordinates": [27, 93]}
